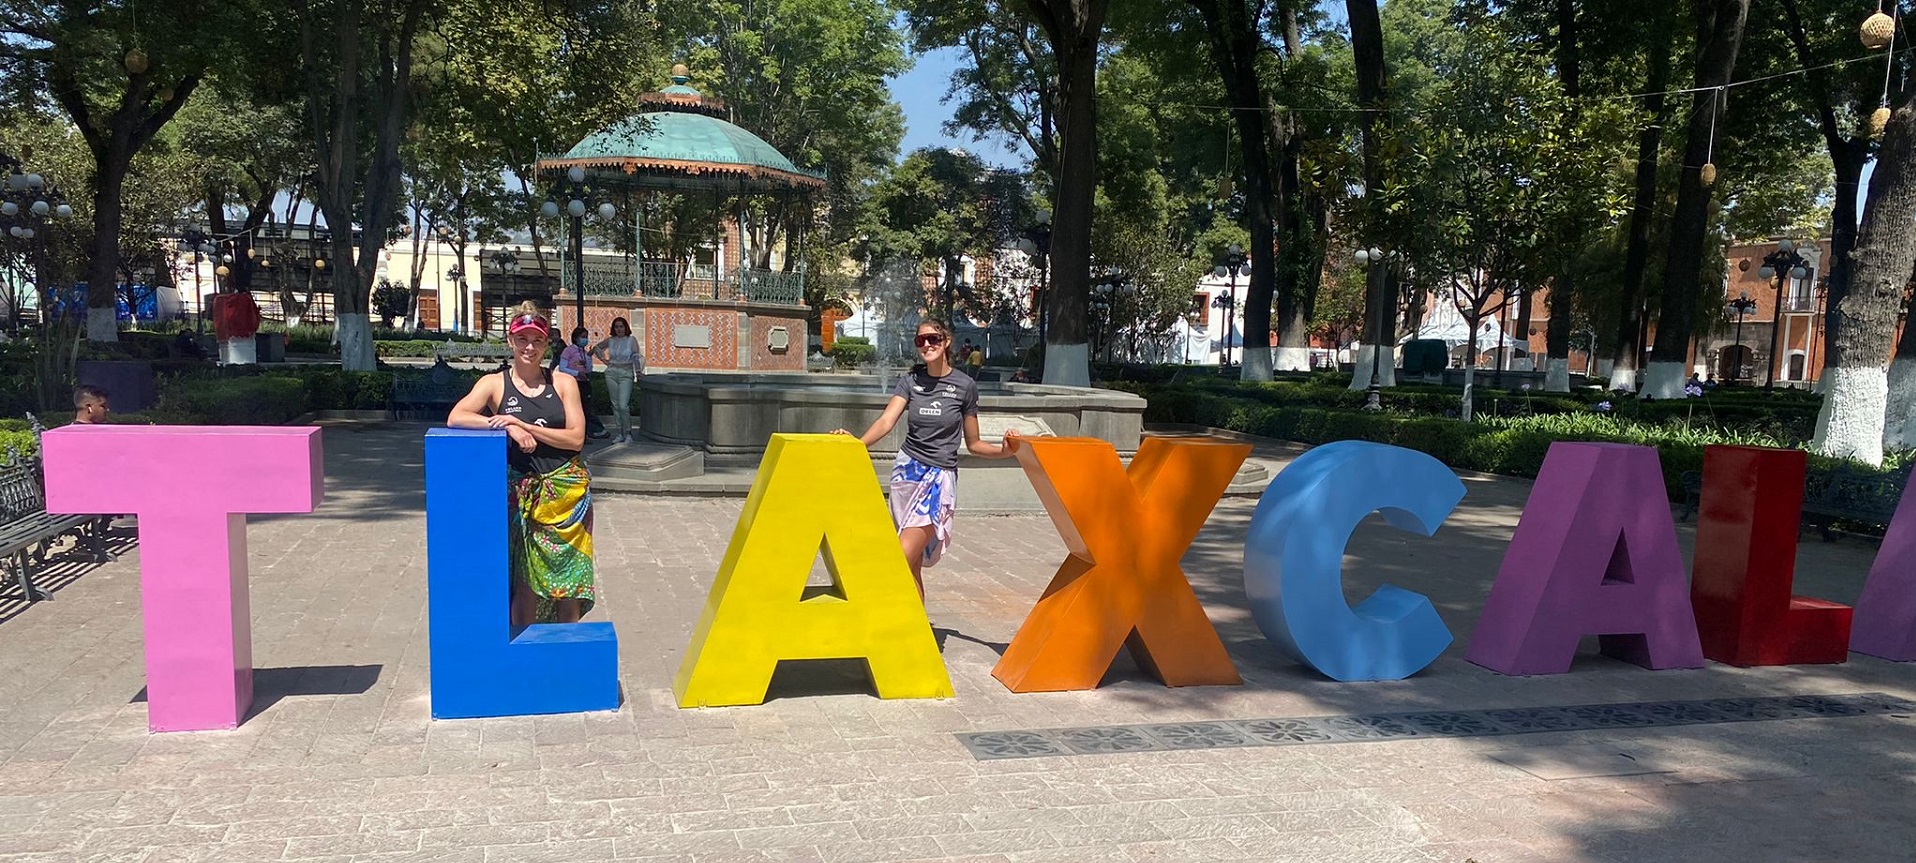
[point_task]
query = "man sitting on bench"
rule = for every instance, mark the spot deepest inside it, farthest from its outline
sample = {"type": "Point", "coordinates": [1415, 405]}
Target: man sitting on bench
{"type": "Point", "coordinates": [90, 408]}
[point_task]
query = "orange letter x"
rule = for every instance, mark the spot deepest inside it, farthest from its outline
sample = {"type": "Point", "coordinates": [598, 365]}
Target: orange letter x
{"type": "Point", "coordinates": [1122, 585]}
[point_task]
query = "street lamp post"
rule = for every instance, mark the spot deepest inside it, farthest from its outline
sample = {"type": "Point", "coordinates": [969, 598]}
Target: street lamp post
{"type": "Point", "coordinates": [1230, 265]}
{"type": "Point", "coordinates": [577, 193]}
{"type": "Point", "coordinates": [1783, 264]}
{"type": "Point", "coordinates": [1037, 244]}
{"type": "Point", "coordinates": [1742, 305]}
{"type": "Point", "coordinates": [1372, 260]}
{"type": "Point", "coordinates": [28, 205]}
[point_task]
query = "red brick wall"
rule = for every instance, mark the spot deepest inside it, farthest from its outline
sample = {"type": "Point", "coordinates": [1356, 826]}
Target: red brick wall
{"type": "Point", "coordinates": [792, 359]}
{"type": "Point", "coordinates": [723, 354]}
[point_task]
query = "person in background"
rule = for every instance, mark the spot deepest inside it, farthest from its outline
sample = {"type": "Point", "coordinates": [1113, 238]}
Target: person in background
{"type": "Point", "coordinates": [576, 361]}
{"type": "Point", "coordinates": [89, 405]}
{"type": "Point", "coordinates": [548, 489]}
{"type": "Point", "coordinates": [940, 407]}
{"type": "Point", "coordinates": [624, 362]}
{"type": "Point", "coordinates": [976, 360]}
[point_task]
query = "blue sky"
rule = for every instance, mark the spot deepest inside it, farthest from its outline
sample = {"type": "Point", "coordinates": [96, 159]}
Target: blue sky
{"type": "Point", "coordinates": [921, 92]}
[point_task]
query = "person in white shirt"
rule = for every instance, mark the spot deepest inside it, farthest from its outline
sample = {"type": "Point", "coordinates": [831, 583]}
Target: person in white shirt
{"type": "Point", "coordinates": [624, 362]}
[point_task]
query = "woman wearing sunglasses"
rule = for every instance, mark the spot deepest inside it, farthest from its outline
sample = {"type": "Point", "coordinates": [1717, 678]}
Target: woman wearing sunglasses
{"type": "Point", "coordinates": [548, 489]}
{"type": "Point", "coordinates": [940, 407]}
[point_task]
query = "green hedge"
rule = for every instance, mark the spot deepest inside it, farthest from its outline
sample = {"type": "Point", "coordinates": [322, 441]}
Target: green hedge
{"type": "Point", "coordinates": [1513, 446]}
{"type": "Point", "coordinates": [258, 400]}
{"type": "Point", "coordinates": [850, 352]}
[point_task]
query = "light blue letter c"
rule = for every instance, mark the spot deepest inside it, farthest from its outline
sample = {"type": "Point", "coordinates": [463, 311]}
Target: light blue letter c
{"type": "Point", "coordinates": [1293, 559]}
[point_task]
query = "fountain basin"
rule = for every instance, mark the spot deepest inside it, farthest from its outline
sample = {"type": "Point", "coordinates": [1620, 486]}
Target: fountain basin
{"type": "Point", "coordinates": [736, 414]}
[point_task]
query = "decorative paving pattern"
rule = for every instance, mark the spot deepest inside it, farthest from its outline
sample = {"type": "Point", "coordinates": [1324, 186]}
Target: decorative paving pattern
{"type": "Point", "coordinates": [1433, 724]}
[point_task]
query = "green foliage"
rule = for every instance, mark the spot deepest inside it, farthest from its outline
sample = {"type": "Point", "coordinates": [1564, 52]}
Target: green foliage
{"type": "Point", "coordinates": [850, 352]}
{"type": "Point", "coordinates": [255, 400]}
{"type": "Point", "coordinates": [1314, 410]}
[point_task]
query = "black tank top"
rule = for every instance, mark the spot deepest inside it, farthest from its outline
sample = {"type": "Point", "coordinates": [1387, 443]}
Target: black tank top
{"type": "Point", "coordinates": [545, 409]}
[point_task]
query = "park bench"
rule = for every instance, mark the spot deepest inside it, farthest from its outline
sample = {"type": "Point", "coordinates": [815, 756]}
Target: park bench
{"type": "Point", "coordinates": [428, 396]}
{"type": "Point", "coordinates": [1842, 493]}
{"type": "Point", "coordinates": [27, 530]}
{"type": "Point", "coordinates": [452, 350]}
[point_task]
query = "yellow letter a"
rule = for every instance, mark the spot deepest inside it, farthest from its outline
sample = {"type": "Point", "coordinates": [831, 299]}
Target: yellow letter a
{"type": "Point", "coordinates": [813, 492]}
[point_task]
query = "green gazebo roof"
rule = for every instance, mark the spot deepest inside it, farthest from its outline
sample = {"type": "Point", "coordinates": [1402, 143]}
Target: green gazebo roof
{"type": "Point", "coordinates": [682, 146]}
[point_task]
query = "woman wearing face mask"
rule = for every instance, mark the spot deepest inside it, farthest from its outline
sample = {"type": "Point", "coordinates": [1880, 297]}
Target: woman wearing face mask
{"type": "Point", "coordinates": [940, 406]}
{"type": "Point", "coordinates": [548, 490]}
{"type": "Point", "coordinates": [575, 360]}
{"type": "Point", "coordinates": [623, 364]}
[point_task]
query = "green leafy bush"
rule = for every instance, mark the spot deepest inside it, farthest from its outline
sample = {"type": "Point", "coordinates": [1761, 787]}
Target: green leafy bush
{"type": "Point", "coordinates": [850, 352]}
{"type": "Point", "coordinates": [254, 400]}
{"type": "Point", "coordinates": [1512, 445]}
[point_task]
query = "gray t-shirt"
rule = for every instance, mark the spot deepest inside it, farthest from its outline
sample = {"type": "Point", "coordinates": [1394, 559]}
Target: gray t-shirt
{"type": "Point", "coordinates": [935, 411]}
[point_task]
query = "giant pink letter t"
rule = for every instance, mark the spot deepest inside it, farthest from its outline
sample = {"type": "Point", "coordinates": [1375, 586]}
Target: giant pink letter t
{"type": "Point", "coordinates": [191, 488]}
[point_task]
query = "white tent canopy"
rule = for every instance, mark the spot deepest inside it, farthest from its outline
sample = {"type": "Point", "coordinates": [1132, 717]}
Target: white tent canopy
{"type": "Point", "coordinates": [1445, 322]}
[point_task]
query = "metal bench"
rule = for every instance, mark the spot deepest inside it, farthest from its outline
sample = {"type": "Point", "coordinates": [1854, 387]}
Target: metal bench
{"type": "Point", "coordinates": [28, 531]}
{"type": "Point", "coordinates": [428, 396]}
{"type": "Point", "coordinates": [472, 351]}
{"type": "Point", "coordinates": [1844, 493]}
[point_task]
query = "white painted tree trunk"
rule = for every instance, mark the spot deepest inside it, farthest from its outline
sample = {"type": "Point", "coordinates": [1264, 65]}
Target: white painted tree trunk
{"type": "Point", "coordinates": [1292, 359]}
{"type": "Point", "coordinates": [102, 325]}
{"type": "Point", "coordinates": [1556, 375]}
{"type": "Point", "coordinates": [1470, 392]}
{"type": "Point", "coordinates": [1899, 417]}
{"type": "Point", "coordinates": [1663, 380]}
{"type": "Point", "coordinates": [1850, 425]}
{"type": "Point", "coordinates": [355, 335]}
{"type": "Point", "coordinates": [1605, 367]}
{"type": "Point", "coordinates": [1067, 365]}
{"type": "Point", "coordinates": [1386, 374]}
{"type": "Point", "coordinates": [1257, 365]}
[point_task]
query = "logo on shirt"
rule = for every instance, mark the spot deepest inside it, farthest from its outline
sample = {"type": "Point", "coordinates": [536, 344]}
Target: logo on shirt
{"type": "Point", "coordinates": [512, 402]}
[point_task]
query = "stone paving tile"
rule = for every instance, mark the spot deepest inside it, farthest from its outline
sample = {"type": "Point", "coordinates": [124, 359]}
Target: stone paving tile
{"type": "Point", "coordinates": [326, 772]}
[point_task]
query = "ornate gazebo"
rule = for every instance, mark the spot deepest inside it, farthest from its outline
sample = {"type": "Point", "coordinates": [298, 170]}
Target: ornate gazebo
{"type": "Point", "coordinates": [723, 315]}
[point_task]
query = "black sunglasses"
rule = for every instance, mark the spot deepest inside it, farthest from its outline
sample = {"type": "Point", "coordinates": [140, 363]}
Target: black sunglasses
{"type": "Point", "coordinates": [930, 339]}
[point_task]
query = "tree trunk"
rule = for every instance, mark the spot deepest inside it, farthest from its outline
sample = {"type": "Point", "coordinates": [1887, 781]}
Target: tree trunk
{"type": "Point", "coordinates": [1563, 286]}
{"type": "Point", "coordinates": [113, 140]}
{"type": "Point", "coordinates": [1847, 156]}
{"type": "Point", "coordinates": [1719, 34]}
{"type": "Point", "coordinates": [1468, 407]}
{"type": "Point", "coordinates": [1556, 369]}
{"type": "Point", "coordinates": [1380, 301]}
{"type": "Point", "coordinates": [1850, 424]}
{"type": "Point", "coordinates": [1899, 418]}
{"type": "Point", "coordinates": [1074, 28]}
{"type": "Point", "coordinates": [1300, 220]}
{"type": "Point", "coordinates": [333, 111]}
{"type": "Point", "coordinates": [1235, 42]}
{"type": "Point", "coordinates": [103, 269]}
{"type": "Point", "coordinates": [1636, 258]}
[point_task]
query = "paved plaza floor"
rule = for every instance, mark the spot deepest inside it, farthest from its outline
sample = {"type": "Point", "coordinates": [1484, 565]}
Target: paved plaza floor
{"type": "Point", "coordinates": [341, 762]}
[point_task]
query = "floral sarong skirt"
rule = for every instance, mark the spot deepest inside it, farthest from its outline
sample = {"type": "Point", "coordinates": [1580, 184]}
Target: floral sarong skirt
{"type": "Point", "coordinates": [552, 537]}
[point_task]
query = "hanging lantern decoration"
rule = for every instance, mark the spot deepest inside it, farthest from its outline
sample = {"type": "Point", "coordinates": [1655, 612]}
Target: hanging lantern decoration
{"type": "Point", "coordinates": [136, 62]}
{"type": "Point", "coordinates": [319, 263]}
{"type": "Point", "coordinates": [1707, 175]}
{"type": "Point", "coordinates": [1878, 121]}
{"type": "Point", "coordinates": [222, 271]}
{"type": "Point", "coordinates": [1877, 30]}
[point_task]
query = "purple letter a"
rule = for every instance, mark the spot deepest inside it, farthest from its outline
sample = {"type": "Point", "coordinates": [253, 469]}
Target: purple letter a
{"type": "Point", "coordinates": [1595, 554]}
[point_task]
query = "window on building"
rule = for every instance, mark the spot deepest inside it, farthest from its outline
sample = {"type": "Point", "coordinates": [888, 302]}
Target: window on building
{"type": "Point", "coordinates": [1796, 367]}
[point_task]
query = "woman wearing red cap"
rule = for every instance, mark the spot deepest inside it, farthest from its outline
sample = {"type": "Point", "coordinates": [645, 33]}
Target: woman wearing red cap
{"type": "Point", "coordinates": [549, 494]}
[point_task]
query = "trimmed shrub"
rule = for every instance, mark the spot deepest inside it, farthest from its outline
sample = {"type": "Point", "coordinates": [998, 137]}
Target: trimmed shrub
{"type": "Point", "coordinates": [1511, 445]}
{"type": "Point", "coordinates": [850, 352]}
